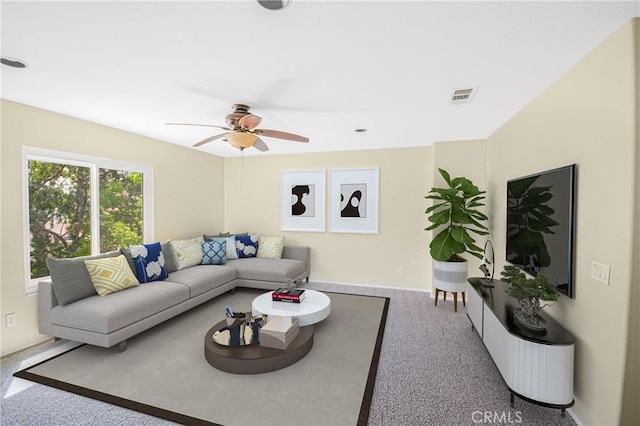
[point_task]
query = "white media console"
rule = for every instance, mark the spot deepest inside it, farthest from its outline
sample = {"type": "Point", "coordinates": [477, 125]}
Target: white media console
{"type": "Point", "coordinates": [537, 366]}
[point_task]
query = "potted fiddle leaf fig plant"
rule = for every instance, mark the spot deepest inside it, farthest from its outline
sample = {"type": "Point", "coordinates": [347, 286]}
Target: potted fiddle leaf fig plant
{"type": "Point", "coordinates": [529, 292]}
{"type": "Point", "coordinates": [456, 218]}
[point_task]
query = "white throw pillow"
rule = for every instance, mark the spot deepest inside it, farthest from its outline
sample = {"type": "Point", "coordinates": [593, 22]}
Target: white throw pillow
{"type": "Point", "coordinates": [187, 252]}
{"type": "Point", "coordinates": [270, 247]}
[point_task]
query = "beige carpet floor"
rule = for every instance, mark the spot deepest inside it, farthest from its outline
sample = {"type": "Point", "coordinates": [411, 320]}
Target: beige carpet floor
{"type": "Point", "coordinates": [433, 370]}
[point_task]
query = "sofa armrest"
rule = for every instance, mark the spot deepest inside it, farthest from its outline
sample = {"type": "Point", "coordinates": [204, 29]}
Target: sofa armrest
{"type": "Point", "coordinates": [46, 301]}
{"type": "Point", "coordinates": [299, 253]}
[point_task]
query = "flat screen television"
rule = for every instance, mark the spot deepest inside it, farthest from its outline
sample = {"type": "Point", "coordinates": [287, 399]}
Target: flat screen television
{"type": "Point", "coordinates": [541, 225]}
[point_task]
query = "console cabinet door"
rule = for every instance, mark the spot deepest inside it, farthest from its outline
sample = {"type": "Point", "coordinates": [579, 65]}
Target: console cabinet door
{"type": "Point", "coordinates": [498, 342]}
{"type": "Point", "coordinates": [475, 305]}
{"type": "Point", "coordinates": [542, 372]}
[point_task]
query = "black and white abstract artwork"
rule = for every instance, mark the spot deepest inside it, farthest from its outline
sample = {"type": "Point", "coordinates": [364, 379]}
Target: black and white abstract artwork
{"type": "Point", "coordinates": [303, 200]}
{"type": "Point", "coordinates": [353, 196]}
{"type": "Point", "coordinates": [353, 200]}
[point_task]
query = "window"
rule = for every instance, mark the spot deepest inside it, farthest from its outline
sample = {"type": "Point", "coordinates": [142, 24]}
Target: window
{"type": "Point", "coordinates": [77, 205]}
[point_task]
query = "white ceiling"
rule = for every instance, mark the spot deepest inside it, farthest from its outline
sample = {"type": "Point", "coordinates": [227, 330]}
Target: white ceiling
{"type": "Point", "coordinates": [316, 68]}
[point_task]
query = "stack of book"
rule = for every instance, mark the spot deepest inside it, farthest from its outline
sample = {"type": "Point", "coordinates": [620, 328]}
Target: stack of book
{"type": "Point", "coordinates": [289, 295]}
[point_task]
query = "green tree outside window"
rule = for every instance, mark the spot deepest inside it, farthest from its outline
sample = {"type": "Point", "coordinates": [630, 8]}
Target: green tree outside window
{"type": "Point", "coordinates": [60, 211]}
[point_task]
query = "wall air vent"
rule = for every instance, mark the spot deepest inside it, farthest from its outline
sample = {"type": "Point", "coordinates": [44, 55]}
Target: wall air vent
{"type": "Point", "coordinates": [463, 96]}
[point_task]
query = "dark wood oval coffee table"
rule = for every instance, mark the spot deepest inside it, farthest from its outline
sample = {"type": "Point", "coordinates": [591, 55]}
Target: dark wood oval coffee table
{"type": "Point", "coordinates": [254, 359]}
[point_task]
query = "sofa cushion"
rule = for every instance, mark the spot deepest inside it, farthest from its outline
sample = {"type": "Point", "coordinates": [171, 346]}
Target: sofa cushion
{"type": "Point", "coordinates": [187, 253]}
{"type": "Point", "coordinates": [262, 269]}
{"type": "Point", "coordinates": [149, 262]}
{"type": "Point", "coordinates": [246, 246]}
{"type": "Point", "coordinates": [202, 278]}
{"type": "Point", "coordinates": [270, 247]}
{"type": "Point", "coordinates": [111, 274]}
{"type": "Point", "coordinates": [70, 279]}
{"type": "Point", "coordinates": [214, 252]}
{"type": "Point", "coordinates": [108, 314]}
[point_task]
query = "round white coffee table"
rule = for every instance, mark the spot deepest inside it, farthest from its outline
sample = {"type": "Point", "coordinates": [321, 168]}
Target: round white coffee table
{"type": "Point", "coordinates": [314, 308]}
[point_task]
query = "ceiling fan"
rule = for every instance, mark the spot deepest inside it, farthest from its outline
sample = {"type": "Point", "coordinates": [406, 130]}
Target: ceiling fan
{"type": "Point", "coordinates": [241, 130]}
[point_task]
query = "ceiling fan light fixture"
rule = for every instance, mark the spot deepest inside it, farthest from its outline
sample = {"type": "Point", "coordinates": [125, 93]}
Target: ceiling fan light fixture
{"type": "Point", "coordinates": [274, 4]}
{"type": "Point", "coordinates": [12, 62]}
{"type": "Point", "coordinates": [241, 140]}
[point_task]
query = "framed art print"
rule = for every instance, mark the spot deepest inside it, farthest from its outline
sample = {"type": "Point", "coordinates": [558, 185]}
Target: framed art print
{"type": "Point", "coordinates": [303, 201]}
{"type": "Point", "coordinates": [353, 197]}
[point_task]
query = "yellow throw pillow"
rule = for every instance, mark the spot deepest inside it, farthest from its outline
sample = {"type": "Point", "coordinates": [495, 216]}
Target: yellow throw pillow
{"type": "Point", "coordinates": [270, 247]}
{"type": "Point", "coordinates": [111, 274]}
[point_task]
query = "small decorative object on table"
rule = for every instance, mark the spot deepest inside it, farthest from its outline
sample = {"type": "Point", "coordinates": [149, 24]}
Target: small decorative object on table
{"type": "Point", "coordinates": [279, 332]}
{"type": "Point", "coordinates": [293, 283]}
{"type": "Point", "coordinates": [290, 295]}
{"type": "Point", "coordinates": [529, 292]}
{"type": "Point", "coordinates": [255, 322]}
{"type": "Point", "coordinates": [236, 322]}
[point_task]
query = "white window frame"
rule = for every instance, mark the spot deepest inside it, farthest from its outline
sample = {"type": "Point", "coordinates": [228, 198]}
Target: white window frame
{"type": "Point", "coordinates": [94, 164]}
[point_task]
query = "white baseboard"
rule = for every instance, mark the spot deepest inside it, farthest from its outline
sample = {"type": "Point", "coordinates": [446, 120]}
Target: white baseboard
{"type": "Point", "coordinates": [22, 348]}
{"type": "Point", "coordinates": [388, 287]}
{"type": "Point", "coordinates": [574, 417]}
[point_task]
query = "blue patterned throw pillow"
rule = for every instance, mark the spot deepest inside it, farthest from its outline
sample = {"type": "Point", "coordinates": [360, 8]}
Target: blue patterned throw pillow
{"type": "Point", "coordinates": [247, 245]}
{"type": "Point", "coordinates": [149, 262]}
{"type": "Point", "coordinates": [214, 252]}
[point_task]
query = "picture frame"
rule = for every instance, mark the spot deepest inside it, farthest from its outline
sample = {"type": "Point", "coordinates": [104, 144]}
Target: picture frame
{"type": "Point", "coordinates": [353, 197]}
{"type": "Point", "coordinates": [303, 200]}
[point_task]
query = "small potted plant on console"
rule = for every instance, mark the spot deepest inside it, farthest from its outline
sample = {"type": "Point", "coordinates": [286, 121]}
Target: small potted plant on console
{"type": "Point", "coordinates": [529, 292]}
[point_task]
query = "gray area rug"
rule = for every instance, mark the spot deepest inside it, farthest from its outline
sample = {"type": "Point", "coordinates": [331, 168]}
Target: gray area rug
{"type": "Point", "coordinates": [433, 370]}
{"type": "Point", "coordinates": [163, 372]}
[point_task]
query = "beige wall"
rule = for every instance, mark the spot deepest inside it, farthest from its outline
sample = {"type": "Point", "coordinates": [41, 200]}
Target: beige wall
{"type": "Point", "coordinates": [252, 200]}
{"type": "Point", "coordinates": [186, 203]}
{"type": "Point", "coordinates": [589, 117]}
{"type": "Point", "coordinates": [631, 389]}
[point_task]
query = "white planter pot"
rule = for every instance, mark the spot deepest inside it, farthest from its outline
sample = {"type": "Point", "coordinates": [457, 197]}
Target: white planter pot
{"type": "Point", "coordinates": [450, 276]}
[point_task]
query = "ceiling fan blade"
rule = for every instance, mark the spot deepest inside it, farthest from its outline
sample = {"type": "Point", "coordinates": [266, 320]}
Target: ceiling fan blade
{"type": "Point", "coordinates": [209, 139]}
{"type": "Point", "coordinates": [280, 135]}
{"type": "Point", "coordinates": [249, 121]}
{"type": "Point", "coordinates": [201, 125]}
{"type": "Point", "coordinates": [260, 145]}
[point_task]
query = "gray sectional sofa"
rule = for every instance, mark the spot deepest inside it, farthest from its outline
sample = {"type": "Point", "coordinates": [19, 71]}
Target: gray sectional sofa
{"type": "Point", "coordinates": [110, 320]}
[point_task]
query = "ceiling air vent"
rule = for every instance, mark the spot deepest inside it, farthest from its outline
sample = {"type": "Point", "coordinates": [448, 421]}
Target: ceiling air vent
{"type": "Point", "coordinates": [463, 96]}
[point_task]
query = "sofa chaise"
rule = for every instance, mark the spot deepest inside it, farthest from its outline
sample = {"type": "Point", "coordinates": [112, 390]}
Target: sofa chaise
{"type": "Point", "coordinates": [110, 320]}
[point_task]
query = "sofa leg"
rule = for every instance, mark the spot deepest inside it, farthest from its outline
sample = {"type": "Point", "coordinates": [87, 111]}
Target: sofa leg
{"type": "Point", "coordinates": [307, 279]}
{"type": "Point", "coordinates": [122, 346]}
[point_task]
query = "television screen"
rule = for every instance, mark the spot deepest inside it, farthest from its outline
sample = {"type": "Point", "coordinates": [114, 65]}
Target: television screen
{"type": "Point", "coordinates": [540, 225]}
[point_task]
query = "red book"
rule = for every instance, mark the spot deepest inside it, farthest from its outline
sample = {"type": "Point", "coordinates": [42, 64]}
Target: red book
{"type": "Point", "coordinates": [288, 295]}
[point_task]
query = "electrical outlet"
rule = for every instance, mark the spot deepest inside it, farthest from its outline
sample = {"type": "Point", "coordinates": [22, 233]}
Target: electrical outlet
{"type": "Point", "coordinates": [401, 270]}
{"type": "Point", "coordinates": [600, 271]}
{"type": "Point", "coordinates": [11, 320]}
